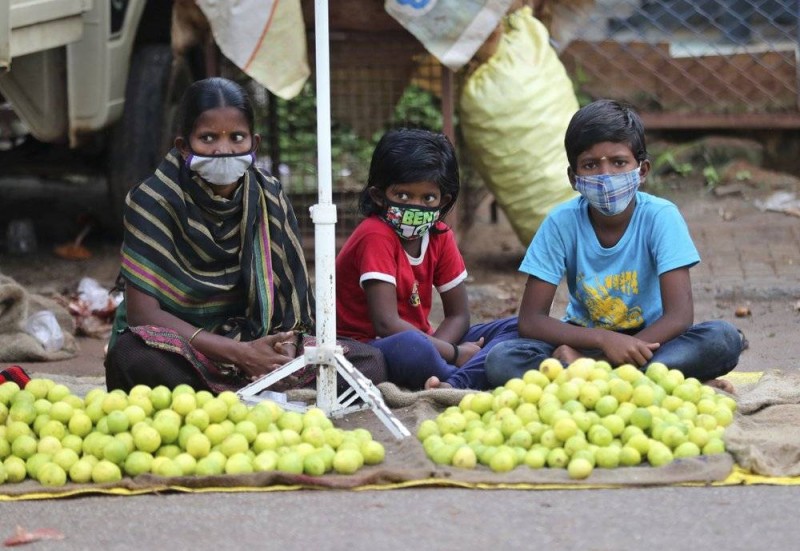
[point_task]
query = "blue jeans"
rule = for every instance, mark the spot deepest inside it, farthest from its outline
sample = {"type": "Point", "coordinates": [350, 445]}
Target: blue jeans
{"type": "Point", "coordinates": [411, 359]}
{"type": "Point", "coordinates": [705, 351]}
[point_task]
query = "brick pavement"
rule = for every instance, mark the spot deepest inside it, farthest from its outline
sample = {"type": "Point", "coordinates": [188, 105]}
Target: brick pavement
{"type": "Point", "coordinates": [755, 255]}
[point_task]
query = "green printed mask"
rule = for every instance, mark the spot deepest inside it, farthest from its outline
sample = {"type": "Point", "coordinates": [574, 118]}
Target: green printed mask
{"type": "Point", "coordinates": [410, 221]}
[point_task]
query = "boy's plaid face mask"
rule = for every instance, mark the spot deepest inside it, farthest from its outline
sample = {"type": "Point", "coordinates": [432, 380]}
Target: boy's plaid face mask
{"type": "Point", "coordinates": [610, 194]}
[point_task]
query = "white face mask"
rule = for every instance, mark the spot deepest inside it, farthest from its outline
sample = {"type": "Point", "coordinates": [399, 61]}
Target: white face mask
{"type": "Point", "coordinates": [220, 170]}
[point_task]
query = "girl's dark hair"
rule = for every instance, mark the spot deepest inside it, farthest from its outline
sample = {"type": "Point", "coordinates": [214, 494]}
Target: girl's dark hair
{"type": "Point", "coordinates": [407, 156]}
{"type": "Point", "coordinates": [211, 93]}
{"type": "Point", "coordinates": [604, 121]}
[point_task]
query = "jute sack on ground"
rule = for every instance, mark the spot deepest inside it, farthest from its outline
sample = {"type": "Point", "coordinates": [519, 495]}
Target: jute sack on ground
{"type": "Point", "coordinates": [16, 304]}
{"type": "Point", "coordinates": [764, 437]}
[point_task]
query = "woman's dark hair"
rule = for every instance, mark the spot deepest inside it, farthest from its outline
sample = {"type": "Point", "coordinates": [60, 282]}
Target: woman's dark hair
{"type": "Point", "coordinates": [407, 156]}
{"type": "Point", "coordinates": [604, 120]}
{"type": "Point", "coordinates": [211, 93]}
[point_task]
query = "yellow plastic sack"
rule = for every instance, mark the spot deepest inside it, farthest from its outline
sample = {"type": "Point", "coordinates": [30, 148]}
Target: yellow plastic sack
{"type": "Point", "coordinates": [514, 112]}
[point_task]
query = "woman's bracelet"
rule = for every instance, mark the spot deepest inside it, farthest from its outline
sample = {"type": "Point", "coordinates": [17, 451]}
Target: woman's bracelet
{"type": "Point", "coordinates": [195, 334]}
{"type": "Point", "coordinates": [455, 354]}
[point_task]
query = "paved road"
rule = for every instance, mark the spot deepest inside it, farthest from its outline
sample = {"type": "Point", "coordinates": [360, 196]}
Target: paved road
{"type": "Point", "coordinates": [668, 518]}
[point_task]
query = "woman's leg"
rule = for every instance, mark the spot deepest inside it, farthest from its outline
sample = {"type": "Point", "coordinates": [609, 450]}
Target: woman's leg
{"type": "Point", "coordinates": [512, 358]}
{"type": "Point", "coordinates": [411, 359]}
{"type": "Point", "coordinates": [706, 351]}
{"type": "Point", "coordinates": [473, 373]}
{"type": "Point", "coordinates": [132, 362]}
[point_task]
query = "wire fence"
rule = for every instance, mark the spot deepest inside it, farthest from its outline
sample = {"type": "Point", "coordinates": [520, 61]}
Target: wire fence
{"type": "Point", "coordinates": [690, 60]}
{"type": "Point", "coordinates": [696, 64]}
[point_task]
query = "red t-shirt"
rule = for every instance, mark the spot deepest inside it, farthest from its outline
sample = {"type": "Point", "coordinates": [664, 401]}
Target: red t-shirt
{"type": "Point", "coordinates": [374, 251]}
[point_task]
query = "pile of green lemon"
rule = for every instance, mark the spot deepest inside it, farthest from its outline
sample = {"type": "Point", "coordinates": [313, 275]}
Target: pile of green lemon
{"type": "Point", "coordinates": [584, 416]}
{"type": "Point", "coordinates": [49, 434]}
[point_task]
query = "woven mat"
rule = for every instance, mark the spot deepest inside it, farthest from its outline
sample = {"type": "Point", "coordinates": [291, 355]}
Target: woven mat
{"type": "Point", "coordinates": [406, 464]}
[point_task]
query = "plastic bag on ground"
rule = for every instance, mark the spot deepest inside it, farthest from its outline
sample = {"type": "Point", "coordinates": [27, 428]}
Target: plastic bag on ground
{"type": "Point", "coordinates": [43, 326]}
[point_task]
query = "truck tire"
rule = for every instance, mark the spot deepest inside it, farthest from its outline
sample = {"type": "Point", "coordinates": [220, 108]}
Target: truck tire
{"type": "Point", "coordinates": [147, 128]}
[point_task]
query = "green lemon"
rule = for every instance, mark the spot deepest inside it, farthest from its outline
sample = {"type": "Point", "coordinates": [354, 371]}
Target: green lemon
{"type": "Point", "coordinates": [579, 468]}
{"type": "Point", "coordinates": [557, 458]}
{"type": "Point", "coordinates": [147, 439]}
{"type": "Point", "coordinates": [292, 462]}
{"type": "Point", "coordinates": [51, 474]}
{"type": "Point", "coordinates": [349, 461]}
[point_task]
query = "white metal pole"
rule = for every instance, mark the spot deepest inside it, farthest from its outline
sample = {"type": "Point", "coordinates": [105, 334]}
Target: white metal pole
{"type": "Point", "coordinates": [323, 215]}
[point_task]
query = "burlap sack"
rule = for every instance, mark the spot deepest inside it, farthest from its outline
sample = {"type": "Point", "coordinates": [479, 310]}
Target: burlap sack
{"type": "Point", "coordinates": [16, 304]}
{"type": "Point", "coordinates": [764, 437]}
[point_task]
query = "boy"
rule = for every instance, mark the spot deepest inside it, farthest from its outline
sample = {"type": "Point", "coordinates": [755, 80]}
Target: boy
{"type": "Point", "coordinates": [626, 257]}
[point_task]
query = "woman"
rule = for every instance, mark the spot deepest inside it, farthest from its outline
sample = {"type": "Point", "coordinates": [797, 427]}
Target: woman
{"type": "Point", "coordinates": [216, 286]}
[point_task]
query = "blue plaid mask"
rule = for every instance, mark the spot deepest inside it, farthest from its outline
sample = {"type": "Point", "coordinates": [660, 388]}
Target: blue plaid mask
{"type": "Point", "coordinates": [610, 194]}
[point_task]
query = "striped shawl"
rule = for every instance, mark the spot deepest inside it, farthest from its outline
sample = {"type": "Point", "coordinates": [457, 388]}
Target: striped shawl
{"type": "Point", "coordinates": [233, 266]}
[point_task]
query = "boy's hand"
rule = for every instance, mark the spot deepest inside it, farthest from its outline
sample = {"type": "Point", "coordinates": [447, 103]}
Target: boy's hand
{"type": "Point", "coordinates": [566, 354]}
{"type": "Point", "coordinates": [468, 349]}
{"type": "Point", "coordinates": [620, 349]}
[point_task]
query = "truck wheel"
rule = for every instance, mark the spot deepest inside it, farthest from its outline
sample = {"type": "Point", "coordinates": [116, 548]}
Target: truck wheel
{"type": "Point", "coordinates": [147, 128]}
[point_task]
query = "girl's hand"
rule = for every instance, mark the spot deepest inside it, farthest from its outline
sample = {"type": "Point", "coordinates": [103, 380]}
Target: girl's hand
{"type": "Point", "coordinates": [466, 350]}
{"type": "Point", "coordinates": [266, 354]}
{"type": "Point", "coordinates": [620, 349]}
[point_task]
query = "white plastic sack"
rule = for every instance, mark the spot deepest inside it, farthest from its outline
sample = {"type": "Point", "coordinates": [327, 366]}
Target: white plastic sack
{"type": "Point", "coordinates": [451, 30]}
{"type": "Point", "coordinates": [264, 38]}
{"type": "Point", "coordinates": [514, 112]}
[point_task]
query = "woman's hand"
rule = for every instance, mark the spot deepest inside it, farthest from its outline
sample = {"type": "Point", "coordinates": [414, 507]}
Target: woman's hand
{"type": "Point", "coordinates": [291, 347]}
{"type": "Point", "coordinates": [466, 350]}
{"type": "Point", "coordinates": [268, 353]}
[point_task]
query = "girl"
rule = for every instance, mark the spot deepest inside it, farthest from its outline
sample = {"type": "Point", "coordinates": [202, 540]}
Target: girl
{"type": "Point", "coordinates": [216, 286]}
{"type": "Point", "coordinates": [389, 266]}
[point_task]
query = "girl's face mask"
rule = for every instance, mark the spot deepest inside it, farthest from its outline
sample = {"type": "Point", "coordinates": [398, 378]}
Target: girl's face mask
{"type": "Point", "coordinates": [610, 194]}
{"type": "Point", "coordinates": [220, 170]}
{"type": "Point", "coordinates": [410, 221]}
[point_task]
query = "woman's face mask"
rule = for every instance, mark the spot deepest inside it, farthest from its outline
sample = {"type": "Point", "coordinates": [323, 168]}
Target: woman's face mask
{"type": "Point", "coordinates": [220, 170]}
{"type": "Point", "coordinates": [610, 194]}
{"type": "Point", "coordinates": [410, 221]}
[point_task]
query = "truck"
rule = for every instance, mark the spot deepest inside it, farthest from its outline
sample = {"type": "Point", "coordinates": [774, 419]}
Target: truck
{"type": "Point", "coordinates": [90, 85]}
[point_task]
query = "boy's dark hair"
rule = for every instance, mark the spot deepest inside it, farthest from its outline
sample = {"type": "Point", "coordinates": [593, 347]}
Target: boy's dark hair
{"type": "Point", "coordinates": [604, 120]}
{"type": "Point", "coordinates": [409, 155]}
{"type": "Point", "coordinates": [211, 93]}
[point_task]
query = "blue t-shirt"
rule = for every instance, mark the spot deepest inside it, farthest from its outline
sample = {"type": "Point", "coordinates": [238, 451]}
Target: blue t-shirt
{"type": "Point", "coordinates": [614, 288]}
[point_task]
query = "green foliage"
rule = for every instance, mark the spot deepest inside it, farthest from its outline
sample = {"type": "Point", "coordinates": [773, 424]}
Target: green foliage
{"type": "Point", "coordinates": [711, 175]}
{"type": "Point", "coordinates": [667, 162]}
{"type": "Point", "coordinates": [350, 152]}
{"type": "Point", "coordinates": [710, 172]}
{"type": "Point", "coordinates": [579, 79]}
{"type": "Point", "coordinates": [418, 108]}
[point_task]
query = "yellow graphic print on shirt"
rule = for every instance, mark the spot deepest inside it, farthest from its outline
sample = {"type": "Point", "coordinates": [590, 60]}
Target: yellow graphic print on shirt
{"type": "Point", "coordinates": [606, 304]}
{"type": "Point", "coordinates": [414, 299]}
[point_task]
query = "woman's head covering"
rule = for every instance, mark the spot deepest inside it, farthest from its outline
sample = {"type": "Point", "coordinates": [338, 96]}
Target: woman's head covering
{"type": "Point", "coordinates": [234, 266]}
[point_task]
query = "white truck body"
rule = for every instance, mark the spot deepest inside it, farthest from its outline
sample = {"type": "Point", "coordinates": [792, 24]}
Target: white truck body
{"type": "Point", "coordinates": [63, 67]}
{"type": "Point", "coordinates": [92, 84]}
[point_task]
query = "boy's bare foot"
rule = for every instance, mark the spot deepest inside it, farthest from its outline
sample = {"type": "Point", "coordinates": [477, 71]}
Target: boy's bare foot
{"type": "Point", "coordinates": [722, 384]}
{"type": "Point", "coordinates": [434, 382]}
